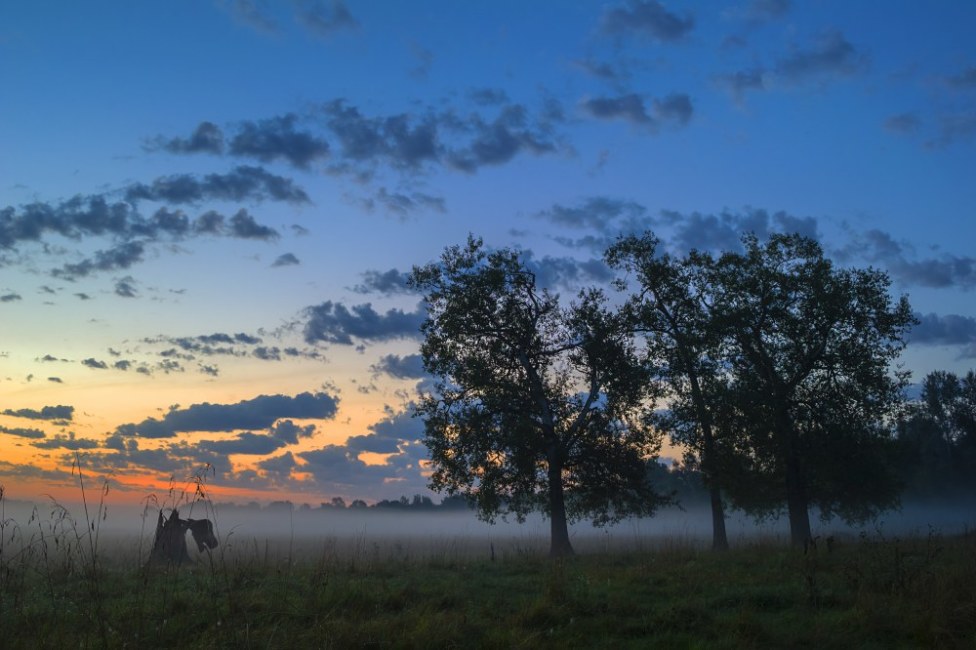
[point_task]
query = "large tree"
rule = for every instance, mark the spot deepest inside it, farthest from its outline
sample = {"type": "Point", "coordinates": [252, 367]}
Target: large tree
{"type": "Point", "coordinates": [537, 405]}
{"type": "Point", "coordinates": [671, 307]}
{"type": "Point", "coordinates": [811, 348]}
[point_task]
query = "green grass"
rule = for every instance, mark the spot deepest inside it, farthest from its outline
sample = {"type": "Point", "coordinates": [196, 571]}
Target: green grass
{"type": "Point", "coordinates": [866, 593]}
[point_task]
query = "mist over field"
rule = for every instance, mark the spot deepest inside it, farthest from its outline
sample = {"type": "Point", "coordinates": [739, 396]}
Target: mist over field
{"type": "Point", "coordinates": [281, 535]}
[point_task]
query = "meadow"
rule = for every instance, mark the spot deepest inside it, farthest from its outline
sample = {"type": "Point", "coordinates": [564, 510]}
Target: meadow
{"type": "Point", "coordinates": [67, 582]}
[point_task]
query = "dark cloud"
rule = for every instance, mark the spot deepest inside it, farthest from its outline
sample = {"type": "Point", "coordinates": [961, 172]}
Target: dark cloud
{"type": "Point", "coordinates": [59, 412]}
{"type": "Point", "coordinates": [599, 213]}
{"type": "Point", "coordinates": [831, 55]}
{"type": "Point", "coordinates": [674, 109]}
{"type": "Point", "coordinates": [410, 366]}
{"type": "Point", "coordinates": [94, 363]}
{"type": "Point", "coordinates": [10, 297]}
{"type": "Point", "coordinates": [501, 139]}
{"type": "Point", "coordinates": [69, 442]}
{"type": "Point", "coordinates": [243, 226]}
{"type": "Point", "coordinates": [488, 96]}
{"type": "Point", "coordinates": [258, 413]}
{"type": "Point", "coordinates": [723, 231]}
{"type": "Point", "coordinates": [879, 247]}
{"type": "Point", "coordinates": [244, 443]}
{"type": "Point", "coordinates": [646, 18]}
{"type": "Point", "coordinates": [391, 435]}
{"type": "Point", "coordinates": [950, 329]}
{"type": "Point", "coordinates": [386, 282]}
{"type": "Point", "coordinates": [274, 138]}
{"type": "Point", "coordinates": [566, 272]}
{"type": "Point", "coordinates": [243, 183]}
{"type": "Point", "coordinates": [324, 17]}
{"type": "Point", "coordinates": [21, 432]}
{"type": "Point", "coordinates": [333, 322]}
{"type": "Point", "coordinates": [287, 259]}
{"type": "Point", "coordinates": [121, 256]}
{"type": "Point", "coordinates": [406, 204]}
{"type": "Point", "coordinates": [126, 288]}
{"type": "Point", "coordinates": [206, 138]}
{"type": "Point", "coordinates": [400, 140]}
{"type": "Point", "coordinates": [289, 432]}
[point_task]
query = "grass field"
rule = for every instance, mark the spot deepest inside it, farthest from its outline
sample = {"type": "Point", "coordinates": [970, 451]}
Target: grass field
{"type": "Point", "coordinates": [61, 586]}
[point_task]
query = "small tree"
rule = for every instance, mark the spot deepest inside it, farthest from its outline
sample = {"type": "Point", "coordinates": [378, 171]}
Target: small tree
{"type": "Point", "coordinates": [536, 406]}
{"type": "Point", "coordinates": [811, 347]}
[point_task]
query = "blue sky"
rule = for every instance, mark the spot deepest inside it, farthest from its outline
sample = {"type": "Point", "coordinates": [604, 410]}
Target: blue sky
{"type": "Point", "coordinates": [207, 208]}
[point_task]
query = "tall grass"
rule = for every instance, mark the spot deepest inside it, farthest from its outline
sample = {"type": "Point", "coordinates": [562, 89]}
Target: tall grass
{"type": "Point", "coordinates": [63, 584]}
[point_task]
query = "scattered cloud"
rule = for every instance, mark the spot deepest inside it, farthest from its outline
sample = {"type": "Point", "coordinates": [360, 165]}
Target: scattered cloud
{"type": "Point", "coordinates": [647, 18]}
{"type": "Point", "coordinates": [20, 432]}
{"type": "Point", "coordinates": [386, 282]}
{"type": "Point", "coordinates": [69, 442]}
{"type": "Point", "coordinates": [410, 366]}
{"type": "Point", "coordinates": [287, 259]}
{"type": "Point", "coordinates": [673, 109]}
{"type": "Point", "coordinates": [258, 413]}
{"type": "Point", "coordinates": [333, 322]}
{"type": "Point", "coordinates": [831, 55]}
{"type": "Point", "coordinates": [242, 183]}
{"type": "Point", "coordinates": [59, 412]}
{"type": "Point", "coordinates": [324, 17]}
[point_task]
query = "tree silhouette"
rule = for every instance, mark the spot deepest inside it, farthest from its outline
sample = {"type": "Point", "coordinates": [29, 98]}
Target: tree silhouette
{"type": "Point", "coordinates": [536, 405]}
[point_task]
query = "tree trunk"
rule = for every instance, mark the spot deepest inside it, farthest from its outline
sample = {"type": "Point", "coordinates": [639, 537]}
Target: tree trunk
{"type": "Point", "coordinates": [796, 491]}
{"type": "Point", "coordinates": [720, 540]}
{"type": "Point", "coordinates": [559, 545]}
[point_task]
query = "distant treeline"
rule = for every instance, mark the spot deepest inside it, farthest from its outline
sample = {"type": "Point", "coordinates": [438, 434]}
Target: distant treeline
{"type": "Point", "coordinates": [418, 503]}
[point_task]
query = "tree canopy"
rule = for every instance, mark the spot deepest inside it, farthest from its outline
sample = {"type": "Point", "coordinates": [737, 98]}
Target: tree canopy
{"type": "Point", "coordinates": [537, 405]}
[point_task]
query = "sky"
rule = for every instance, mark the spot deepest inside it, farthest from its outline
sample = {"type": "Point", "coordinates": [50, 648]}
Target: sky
{"type": "Point", "coordinates": [208, 209]}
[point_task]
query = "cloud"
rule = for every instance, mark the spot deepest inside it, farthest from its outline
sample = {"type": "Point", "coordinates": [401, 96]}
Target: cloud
{"type": "Point", "coordinates": [243, 226]}
{"type": "Point", "coordinates": [126, 288]}
{"type": "Point", "coordinates": [332, 322]}
{"type": "Point", "coordinates": [324, 17]}
{"type": "Point", "coordinates": [59, 412]}
{"type": "Point", "coordinates": [410, 366]}
{"type": "Point", "coordinates": [600, 213]}
{"type": "Point", "coordinates": [646, 18]}
{"type": "Point", "coordinates": [723, 231]}
{"type": "Point", "coordinates": [949, 329]}
{"type": "Point", "coordinates": [206, 138]}
{"type": "Point", "coordinates": [289, 432]}
{"type": "Point", "coordinates": [258, 413]}
{"type": "Point", "coordinates": [831, 55]}
{"type": "Point", "coordinates": [121, 256]}
{"type": "Point", "coordinates": [253, 13]}
{"type": "Point", "coordinates": [95, 364]}
{"type": "Point", "coordinates": [386, 282]}
{"type": "Point", "coordinates": [69, 442]}
{"type": "Point", "coordinates": [244, 443]}
{"type": "Point", "coordinates": [405, 204]}
{"type": "Point", "coordinates": [878, 247]}
{"type": "Point", "coordinates": [274, 138]}
{"type": "Point", "coordinates": [21, 432]}
{"type": "Point", "coordinates": [287, 259]}
{"type": "Point", "coordinates": [242, 183]}
{"type": "Point", "coordinates": [10, 297]}
{"type": "Point", "coordinates": [674, 109]}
